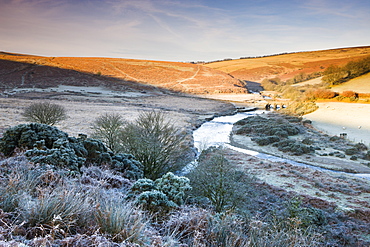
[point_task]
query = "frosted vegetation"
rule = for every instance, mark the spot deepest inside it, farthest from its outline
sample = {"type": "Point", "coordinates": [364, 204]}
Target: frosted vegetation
{"type": "Point", "coordinates": [122, 190]}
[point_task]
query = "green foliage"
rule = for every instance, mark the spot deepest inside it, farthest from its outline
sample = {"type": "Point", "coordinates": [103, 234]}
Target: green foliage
{"type": "Point", "coordinates": [173, 186]}
{"type": "Point", "coordinates": [155, 201]}
{"type": "Point", "coordinates": [162, 194]}
{"type": "Point", "coordinates": [107, 128]}
{"type": "Point", "coordinates": [48, 145]}
{"type": "Point", "coordinates": [26, 135]}
{"type": "Point", "coordinates": [128, 166]}
{"type": "Point", "coordinates": [301, 77]}
{"type": "Point", "coordinates": [45, 113]}
{"type": "Point", "coordinates": [262, 127]}
{"type": "Point", "coordinates": [307, 216]}
{"type": "Point", "coordinates": [61, 155]}
{"type": "Point", "coordinates": [273, 84]}
{"type": "Point", "coordinates": [351, 151]}
{"type": "Point", "coordinates": [156, 143]}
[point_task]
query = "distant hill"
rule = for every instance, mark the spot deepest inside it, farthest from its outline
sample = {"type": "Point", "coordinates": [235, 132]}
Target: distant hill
{"type": "Point", "coordinates": [20, 70]}
{"type": "Point", "coordinates": [286, 66]}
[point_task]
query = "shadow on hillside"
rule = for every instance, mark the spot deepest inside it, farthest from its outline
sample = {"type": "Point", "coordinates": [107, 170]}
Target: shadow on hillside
{"type": "Point", "coordinates": [253, 86]}
{"type": "Point", "coordinates": [27, 75]}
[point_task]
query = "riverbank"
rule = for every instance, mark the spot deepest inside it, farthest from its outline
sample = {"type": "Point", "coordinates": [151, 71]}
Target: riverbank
{"type": "Point", "coordinates": [330, 153]}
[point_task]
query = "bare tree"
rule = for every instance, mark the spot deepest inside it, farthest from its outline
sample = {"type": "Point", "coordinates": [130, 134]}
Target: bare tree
{"type": "Point", "coordinates": [45, 113]}
{"type": "Point", "coordinates": [156, 143]}
{"type": "Point", "coordinates": [107, 128]}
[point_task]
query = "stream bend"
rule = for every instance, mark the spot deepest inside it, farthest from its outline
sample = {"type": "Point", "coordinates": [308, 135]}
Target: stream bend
{"type": "Point", "coordinates": [217, 133]}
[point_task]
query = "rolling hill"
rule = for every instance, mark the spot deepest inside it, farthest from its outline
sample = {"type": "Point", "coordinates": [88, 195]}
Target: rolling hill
{"type": "Point", "coordinates": [286, 66]}
{"type": "Point", "coordinates": [18, 70]}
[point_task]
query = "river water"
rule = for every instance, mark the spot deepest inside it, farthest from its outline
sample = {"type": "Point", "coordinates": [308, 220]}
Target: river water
{"type": "Point", "coordinates": [217, 133]}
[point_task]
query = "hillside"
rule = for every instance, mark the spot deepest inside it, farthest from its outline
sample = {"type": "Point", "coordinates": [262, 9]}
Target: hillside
{"type": "Point", "coordinates": [17, 70]}
{"type": "Point", "coordinates": [286, 66]}
{"type": "Point", "coordinates": [360, 84]}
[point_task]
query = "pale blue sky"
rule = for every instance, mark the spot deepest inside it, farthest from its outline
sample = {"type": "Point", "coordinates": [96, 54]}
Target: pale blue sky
{"type": "Point", "coordinates": [184, 30]}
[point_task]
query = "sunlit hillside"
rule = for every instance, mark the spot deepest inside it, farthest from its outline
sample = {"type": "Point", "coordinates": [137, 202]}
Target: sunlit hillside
{"type": "Point", "coordinates": [18, 70]}
{"type": "Point", "coordinates": [286, 66]}
{"type": "Point", "coordinates": [359, 85]}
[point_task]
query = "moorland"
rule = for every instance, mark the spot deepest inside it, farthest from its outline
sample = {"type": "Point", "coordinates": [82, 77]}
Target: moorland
{"type": "Point", "coordinates": [259, 202]}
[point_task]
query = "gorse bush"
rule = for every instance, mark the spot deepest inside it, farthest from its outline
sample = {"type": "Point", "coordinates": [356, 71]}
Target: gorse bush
{"type": "Point", "coordinates": [49, 146]}
{"type": "Point", "coordinates": [45, 113]}
{"type": "Point", "coordinates": [26, 135]}
{"type": "Point", "coordinates": [163, 194]}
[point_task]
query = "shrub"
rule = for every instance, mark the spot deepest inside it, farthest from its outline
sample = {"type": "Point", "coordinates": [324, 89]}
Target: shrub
{"type": "Point", "coordinates": [293, 147]}
{"type": "Point", "coordinates": [263, 141]}
{"type": "Point", "coordinates": [162, 194]}
{"type": "Point", "coordinates": [48, 145]}
{"type": "Point", "coordinates": [155, 201]}
{"type": "Point", "coordinates": [300, 108]}
{"type": "Point", "coordinates": [45, 113]}
{"type": "Point", "coordinates": [351, 151]}
{"type": "Point", "coordinates": [26, 135]}
{"type": "Point", "coordinates": [349, 94]}
{"type": "Point", "coordinates": [216, 180]}
{"type": "Point", "coordinates": [174, 187]}
{"type": "Point", "coordinates": [156, 143]}
{"type": "Point", "coordinates": [307, 216]}
{"type": "Point", "coordinates": [60, 156]}
{"type": "Point", "coordinates": [107, 128]}
{"type": "Point", "coordinates": [320, 93]}
{"type": "Point", "coordinates": [127, 165]}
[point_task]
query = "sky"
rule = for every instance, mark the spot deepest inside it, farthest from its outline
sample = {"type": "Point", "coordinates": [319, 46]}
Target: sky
{"type": "Point", "coordinates": [181, 30]}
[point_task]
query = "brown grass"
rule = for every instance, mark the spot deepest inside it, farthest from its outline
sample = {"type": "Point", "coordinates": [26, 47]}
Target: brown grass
{"type": "Point", "coordinates": [184, 77]}
{"type": "Point", "coordinates": [288, 65]}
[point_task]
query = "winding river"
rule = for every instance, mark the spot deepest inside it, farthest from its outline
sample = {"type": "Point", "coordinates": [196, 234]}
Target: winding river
{"type": "Point", "coordinates": [217, 133]}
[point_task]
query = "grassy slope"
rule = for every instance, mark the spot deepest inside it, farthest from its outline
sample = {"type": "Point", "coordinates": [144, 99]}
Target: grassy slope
{"type": "Point", "coordinates": [184, 77]}
{"type": "Point", "coordinates": [288, 65]}
{"type": "Point", "coordinates": [359, 85]}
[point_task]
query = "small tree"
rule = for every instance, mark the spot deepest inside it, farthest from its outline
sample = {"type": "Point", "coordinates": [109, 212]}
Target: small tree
{"type": "Point", "coordinates": [155, 142]}
{"type": "Point", "coordinates": [107, 128]}
{"type": "Point", "coordinates": [45, 113]}
{"type": "Point", "coordinates": [218, 181]}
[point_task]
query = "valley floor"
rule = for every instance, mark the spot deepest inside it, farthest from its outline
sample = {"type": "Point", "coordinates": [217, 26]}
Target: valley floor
{"type": "Point", "coordinates": [335, 118]}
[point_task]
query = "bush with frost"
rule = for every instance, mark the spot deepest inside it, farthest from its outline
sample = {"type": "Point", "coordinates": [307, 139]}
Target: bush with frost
{"type": "Point", "coordinates": [162, 194]}
{"type": "Point", "coordinates": [48, 145]}
{"type": "Point", "coordinates": [45, 113]}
